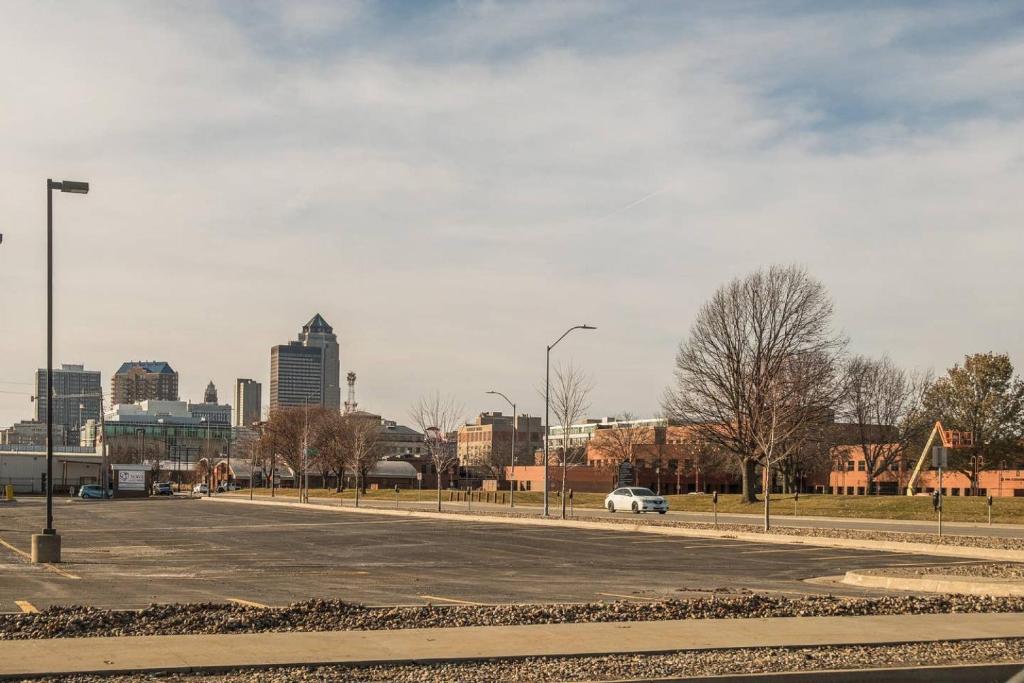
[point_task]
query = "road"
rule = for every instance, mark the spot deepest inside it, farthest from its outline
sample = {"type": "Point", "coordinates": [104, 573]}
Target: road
{"type": "Point", "coordinates": [129, 553]}
{"type": "Point", "coordinates": [964, 528]}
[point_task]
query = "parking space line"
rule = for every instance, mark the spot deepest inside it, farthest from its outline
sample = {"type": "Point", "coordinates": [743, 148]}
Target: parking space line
{"type": "Point", "coordinates": [10, 547]}
{"type": "Point", "coordinates": [458, 602]}
{"type": "Point", "coordinates": [48, 567]}
{"type": "Point", "coordinates": [247, 603]}
{"type": "Point", "coordinates": [781, 550]}
{"type": "Point", "coordinates": [26, 606]}
{"type": "Point", "coordinates": [630, 597]}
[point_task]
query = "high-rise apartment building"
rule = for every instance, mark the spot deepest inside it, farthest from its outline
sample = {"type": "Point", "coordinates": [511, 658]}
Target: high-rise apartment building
{"type": "Point", "coordinates": [77, 397]}
{"type": "Point", "coordinates": [248, 402]}
{"type": "Point", "coordinates": [138, 381]}
{"type": "Point", "coordinates": [307, 370]}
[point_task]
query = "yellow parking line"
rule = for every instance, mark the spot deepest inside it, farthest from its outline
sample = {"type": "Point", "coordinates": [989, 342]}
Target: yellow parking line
{"type": "Point", "coordinates": [26, 606]}
{"type": "Point", "coordinates": [460, 602]}
{"type": "Point", "coordinates": [247, 603]}
{"type": "Point", "coordinates": [630, 597]}
{"type": "Point", "coordinates": [48, 567]}
{"type": "Point", "coordinates": [15, 550]}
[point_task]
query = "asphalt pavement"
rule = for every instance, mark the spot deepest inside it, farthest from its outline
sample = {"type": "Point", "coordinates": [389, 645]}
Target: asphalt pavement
{"type": "Point", "coordinates": [922, 527]}
{"type": "Point", "coordinates": [129, 553]}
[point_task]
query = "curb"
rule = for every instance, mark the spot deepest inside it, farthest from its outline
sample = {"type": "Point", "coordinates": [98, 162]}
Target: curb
{"type": "Point", "coordinates": [939, 584]}
{"type": "Point", "coordinates": [780, 539]}
{"type": "Point", "coordinates": [964, 673]}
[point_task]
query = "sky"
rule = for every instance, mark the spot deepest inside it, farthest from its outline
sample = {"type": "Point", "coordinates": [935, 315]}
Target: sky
{"type": "Point", "coordinates": [452, 185]}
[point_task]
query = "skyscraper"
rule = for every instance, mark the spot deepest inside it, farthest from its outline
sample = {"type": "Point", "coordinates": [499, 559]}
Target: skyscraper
{"type": "Point", "coordinates": [248, 402]}
{"type": "Point", "coordinates": [77, 397]}
{"type": "Point", "coordinates": [143, 381]}
{"type": "Point", "coordinates": [211, 393]}
{"type": "Point", "coordinates": [307, 370]}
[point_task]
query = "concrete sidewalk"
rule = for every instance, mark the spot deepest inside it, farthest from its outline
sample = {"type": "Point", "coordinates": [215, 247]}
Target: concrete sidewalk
{"type": "Point", "coordinates": [213, 652]}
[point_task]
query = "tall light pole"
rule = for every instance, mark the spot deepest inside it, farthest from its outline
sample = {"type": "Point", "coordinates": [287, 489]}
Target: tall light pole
{"type": "Point", "coordinates": [46, 546]}
{"type": "Point", "coordinates": [515, 428]}
{"type": "Point", "coordinates": [547, 408]}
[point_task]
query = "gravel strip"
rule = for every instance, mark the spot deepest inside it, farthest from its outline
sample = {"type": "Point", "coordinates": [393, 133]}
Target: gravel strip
{"type": "Point", "coordinates": [334, 615]}
{"type": "Point", "coordinates": [989, 542]}
{"type": "Point", "coordinates": [693, 663]}
{"type": "Point", "coordinates": [1007, 570]}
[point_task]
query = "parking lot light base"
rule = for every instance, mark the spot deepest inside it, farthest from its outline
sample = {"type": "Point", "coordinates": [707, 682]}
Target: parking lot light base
{"type": "Point", "coordinates": [46, 547]}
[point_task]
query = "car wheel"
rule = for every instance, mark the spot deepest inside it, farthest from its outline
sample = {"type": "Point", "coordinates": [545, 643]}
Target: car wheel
{"type": "Point", "coordinates": [611, 507]}
{"type": "Point", "coordinates": [661, 512]}
{"type": "Point", "coordinates": [636, 509]}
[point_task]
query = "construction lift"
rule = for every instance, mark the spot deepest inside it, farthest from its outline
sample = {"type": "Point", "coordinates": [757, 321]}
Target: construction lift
{"type": "Point", "coordinates": [950, 438]}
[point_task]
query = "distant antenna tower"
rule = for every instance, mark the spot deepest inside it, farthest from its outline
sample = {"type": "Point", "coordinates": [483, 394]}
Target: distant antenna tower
{"type": "Point", "coordinates": [350, 404]}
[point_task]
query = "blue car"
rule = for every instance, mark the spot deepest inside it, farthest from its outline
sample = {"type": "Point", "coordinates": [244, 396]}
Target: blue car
{"type": "Point", "coordinates": [94, 491]}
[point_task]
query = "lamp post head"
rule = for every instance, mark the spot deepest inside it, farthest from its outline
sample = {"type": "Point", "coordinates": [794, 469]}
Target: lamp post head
{"type": "Point", "coordinates": [587, 327]}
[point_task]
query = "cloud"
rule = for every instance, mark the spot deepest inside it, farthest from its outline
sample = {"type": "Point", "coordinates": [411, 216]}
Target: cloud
{"type": "Point", "coordinates": [447, 183]}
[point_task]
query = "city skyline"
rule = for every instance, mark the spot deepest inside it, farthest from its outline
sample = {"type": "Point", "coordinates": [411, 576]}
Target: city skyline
{"type": "Point", "coordinates": [312, 161]}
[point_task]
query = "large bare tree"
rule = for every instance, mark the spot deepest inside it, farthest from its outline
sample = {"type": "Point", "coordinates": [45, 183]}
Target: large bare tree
{"type": "Point", "coordinates": [752, 346]}
{"type": "Point", "coordinates": [883, 405]}
{"type": "Point", "coordinates": [438, 416]}
{"type": "Point", "coordinates": [570, 400]}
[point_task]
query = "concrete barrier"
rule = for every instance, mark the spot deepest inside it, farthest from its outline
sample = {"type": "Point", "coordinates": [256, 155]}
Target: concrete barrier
{"type": "Point", "coordinates": [938, 583]}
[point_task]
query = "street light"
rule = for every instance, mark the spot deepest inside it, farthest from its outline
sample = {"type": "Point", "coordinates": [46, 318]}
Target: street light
{"type": "Point", "coordinates": [547, 411]}
{"type": "Point", "coordinates": [515, 428]}
{"type": "Point", "coordinates": [46, 546]}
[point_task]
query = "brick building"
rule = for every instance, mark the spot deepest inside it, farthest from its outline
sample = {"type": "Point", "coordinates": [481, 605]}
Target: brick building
{"type": "Point", "coordinates": [849, 477]}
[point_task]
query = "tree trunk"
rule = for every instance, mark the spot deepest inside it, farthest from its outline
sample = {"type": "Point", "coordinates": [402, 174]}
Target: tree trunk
{"type": "Point", "coordinates": [749, 486]}
{"type": "Point", "coordinates": [438, 492]}
{"type": "Point", "coordinates": [767, 497]}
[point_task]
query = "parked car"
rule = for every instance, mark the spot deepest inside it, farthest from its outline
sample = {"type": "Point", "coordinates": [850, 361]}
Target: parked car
{"type": "Point", "coordinates": [226, 486]}
{"type": "Point", "coordinates": [636, 499]}
{"type": "Point", "coordinates": [201, 489]}
{"type": "Point", "coordinates": [163, 488]}
{"type": "Point", "coordinates": [94, 491]}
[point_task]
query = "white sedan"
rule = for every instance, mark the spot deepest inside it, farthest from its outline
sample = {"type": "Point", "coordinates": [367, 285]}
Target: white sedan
{"type": "Point", "coordinates": [636, 499]}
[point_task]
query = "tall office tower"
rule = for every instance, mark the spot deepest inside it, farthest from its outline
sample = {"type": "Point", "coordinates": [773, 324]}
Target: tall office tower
{"type": "Point", "coordinates": [138, 381]}
{"type": "Point", "coordinates": [211, 393]}
{"type": "Point", "coordinates": [307, 370]}
{"type": "Point", "coordinates": [248, 402]}
{"type": "Point", "coordinates": [77, 398]}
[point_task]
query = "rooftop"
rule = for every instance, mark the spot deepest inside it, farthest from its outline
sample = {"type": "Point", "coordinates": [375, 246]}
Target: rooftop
{"type": "Point", "coordinates": [155, 366]}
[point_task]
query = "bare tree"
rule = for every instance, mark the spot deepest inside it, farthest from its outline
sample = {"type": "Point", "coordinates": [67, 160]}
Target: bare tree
{"type": "Point", "coordinates": [330, 439]}
{"type": "Point", "coordinates": [794, 413]}
{"type": "Point", "coordinates": [883, 404]}
{"type": "Point", "coordinates": [362, 452]}
{"type": "Point", "coordinates": [570, 400]}
{"type": "Point", "coordinates": [438, 417]}
{"type": "Point", "coordinates": [739, 368]}
{"type": "Point", "coordinates": [622, 441]}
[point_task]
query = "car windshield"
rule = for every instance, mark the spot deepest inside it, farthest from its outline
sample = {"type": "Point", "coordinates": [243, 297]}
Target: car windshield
{"type": "Point", "coordinates": [642, 492]}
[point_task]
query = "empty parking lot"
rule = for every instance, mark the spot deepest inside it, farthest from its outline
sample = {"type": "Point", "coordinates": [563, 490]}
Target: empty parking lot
{"type": "Point", "coordinates": [126, 554]}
